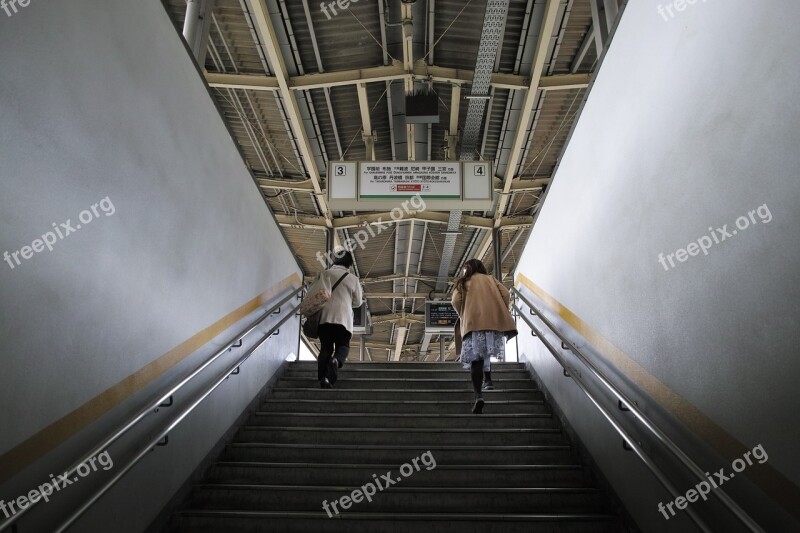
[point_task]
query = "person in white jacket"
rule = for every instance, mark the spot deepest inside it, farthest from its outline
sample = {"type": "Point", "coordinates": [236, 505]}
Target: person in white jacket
{"type": "Point", "coordinates": [336, 320]}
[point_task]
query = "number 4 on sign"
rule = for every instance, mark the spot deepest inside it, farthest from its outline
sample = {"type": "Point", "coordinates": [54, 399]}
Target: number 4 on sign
{"type": "Point", "coordinates": [480, 170]}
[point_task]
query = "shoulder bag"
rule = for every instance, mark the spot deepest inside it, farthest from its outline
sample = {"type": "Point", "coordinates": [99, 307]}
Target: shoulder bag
{"type": "Point", "coordinates": [311, 325]}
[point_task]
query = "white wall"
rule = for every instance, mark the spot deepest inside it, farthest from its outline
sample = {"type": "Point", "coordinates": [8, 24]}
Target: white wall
{"type": "Point", "coordinates": [691, 123]}
{"type": "Point", "coordinates": [102, 100]}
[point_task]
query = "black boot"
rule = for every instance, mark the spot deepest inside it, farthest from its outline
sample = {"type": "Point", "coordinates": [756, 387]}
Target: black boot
{"type": "Point", "coordinates": [476, 373]}
{"type": "Point", "coordinates": [487, 381]}
{"type": "Point", "coordinates": [333, 371]}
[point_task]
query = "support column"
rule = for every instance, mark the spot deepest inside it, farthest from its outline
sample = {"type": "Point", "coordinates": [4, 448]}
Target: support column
{"type": "Point", "coordinates": [441, 348]}
{"type": "Point", "coordinates": [498, 258]}
{"type": "Point", "coordinates": [366, 122]}
{"type": "Point", "coordinates": [331, 243]}
{"type": "Point", "coordinates": [362, 348]}
{"type": "Point", "coordinates": [612, 10]}
{"type": "Point", "coordinates": [196, 27]}
{"type": "Point", "coordinates": [451, 135]}
{"type": "Point", "coordinates": [599, 24]}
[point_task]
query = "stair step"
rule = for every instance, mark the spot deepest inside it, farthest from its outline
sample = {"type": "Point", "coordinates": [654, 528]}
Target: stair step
{"type": "Point", "coordinates": [410, 374]}
{"type": "Point", "coordinates": [349, 383]}
{"type": "Point", "coordinates": [408, 420]}
{"type": "Point", "coordinates": [296, 522]}
{"type": "Point", "coordinates": [418, 436]}
{"type": "Point", "coordinates": [312, 365]}
{"type": "Point", "coordinates": [418, 394]}
{"type": "Point", "coordinates": [356, 475]}
{"type": "Point", "coordinates": [509, 470]}
{"type": "Point", "coordinates": [232, 497]}
{"type": "Point", "coordinates": [394, 453]}
{"type": "Point", "coordinates": [388, 407]}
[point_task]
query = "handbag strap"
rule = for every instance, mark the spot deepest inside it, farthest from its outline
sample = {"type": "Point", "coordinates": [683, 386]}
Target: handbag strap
{"type": "Point", "coordinates": [338, 282]}
{"type": "Point", "coordinates": [463, 300]}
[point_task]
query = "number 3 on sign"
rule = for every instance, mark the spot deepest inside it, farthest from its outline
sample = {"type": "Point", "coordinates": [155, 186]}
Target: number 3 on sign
{"type": "Point", "coordinates": [340, 170]}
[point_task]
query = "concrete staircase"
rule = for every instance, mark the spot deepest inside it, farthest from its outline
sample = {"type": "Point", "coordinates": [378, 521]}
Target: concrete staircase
{"type": "Point", "coordinates": [510, 469]}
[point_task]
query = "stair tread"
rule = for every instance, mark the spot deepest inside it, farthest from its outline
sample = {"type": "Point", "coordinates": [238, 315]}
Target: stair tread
{"type": "Point", "coordinates": [445, 490]}
{"type": "Point", "coordinates": [488, 447]}
{"type": "Point", "coordinates": [347, 402]}
{"type": "Point", "coordinates": [345, 377]}
{"type": "Point", "coordinates": [405, 516]}
{"type": "Point", "coordinates": [399, 391]}
{"type": "Point", "coordinates": [262, 464]}
{"type": "Point", "coordinates": [353, 367]}
{"type": "Point", "coordinates": [265, 476]}
{"type": "Point", "coordinates": [403, 415]}
{"type": "Point", "coordinates": [403, 430]}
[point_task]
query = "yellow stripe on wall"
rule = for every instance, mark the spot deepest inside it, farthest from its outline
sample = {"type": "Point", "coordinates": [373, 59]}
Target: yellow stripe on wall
{"type": "Point", "coordinates": [52, 436]}
{"type": "Point", "coordinates": [772, 482]}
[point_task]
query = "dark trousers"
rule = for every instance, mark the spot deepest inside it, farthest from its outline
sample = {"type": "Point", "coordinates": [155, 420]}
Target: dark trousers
{"type": "Point", "coordinates": [335, 341]}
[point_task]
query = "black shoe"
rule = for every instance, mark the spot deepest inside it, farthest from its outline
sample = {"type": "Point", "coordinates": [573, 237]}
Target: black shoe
{"type": "Point", "coordinates": [478, 407]}
{"type": "Point", "coordinates": [333, 373]}
{"type": "Point", "coordinates": [325, 384]}
{"type": "Point", "coordinates": [488, 385]}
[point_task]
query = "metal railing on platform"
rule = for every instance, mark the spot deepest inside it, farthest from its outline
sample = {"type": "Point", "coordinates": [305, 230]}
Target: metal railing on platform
{"type": "Point", "coordinates": [625, 403]}
{"type": "Point", "coordinates": [164, 399]}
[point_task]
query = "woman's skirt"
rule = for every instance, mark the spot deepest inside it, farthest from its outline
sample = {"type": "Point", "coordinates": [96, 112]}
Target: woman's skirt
{"type": "Point", "coordinates": [483, 345]}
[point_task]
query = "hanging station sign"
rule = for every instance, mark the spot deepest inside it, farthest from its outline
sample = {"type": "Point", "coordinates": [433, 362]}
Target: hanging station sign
{"type": "Point", "coordinates": [404, 179]}
{"type": "Point", "coordinates": [378, 185]}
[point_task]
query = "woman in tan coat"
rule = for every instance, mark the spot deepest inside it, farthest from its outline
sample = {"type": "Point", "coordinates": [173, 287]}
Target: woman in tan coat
{"type": "Point", "coordinates": [486, 324]}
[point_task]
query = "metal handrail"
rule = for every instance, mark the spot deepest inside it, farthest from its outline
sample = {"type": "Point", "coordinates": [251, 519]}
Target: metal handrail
{"type": "Point", "coordinates": [634, 408]}
{"type": "Point", "coordinates": [144, 450]}
{"type": "Point", "coordinates": [154, 404]}
{"type": "Point", "coordinates": [624, 434]}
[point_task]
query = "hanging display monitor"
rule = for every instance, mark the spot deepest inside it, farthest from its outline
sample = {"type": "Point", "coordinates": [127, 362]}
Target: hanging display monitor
{"type": "Point", "coordinates": [440, 317]}
{"type": "Point", "coordinates": [361, 320]}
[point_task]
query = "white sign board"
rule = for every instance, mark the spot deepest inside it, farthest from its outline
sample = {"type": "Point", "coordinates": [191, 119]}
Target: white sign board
{"type": "Point", "coordinates": [345, 176]}
{"type": "Point", "coordinates": [383, 185]}
{"type": "Point", "coordinates": [477, 180]}
{"type": "Point", "coordinates": [404, 179]}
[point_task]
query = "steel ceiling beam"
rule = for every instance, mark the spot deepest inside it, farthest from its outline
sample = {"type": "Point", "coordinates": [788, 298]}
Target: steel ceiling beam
{"type": "Point", "coordinates": [520, 138]}
{"type": "Point", "coordinates": [517, 185]}
{"type": "Point", "coordinates": [196, 27]}
{"type": "Point", "coordinates": [455, 112]}
{"type": "Point", "coordinates": [407, 295]}
{"type": "Point", "coordinates": [383, 346]}
{"type": "Point", "coordinates": [286, 185]}
{"type": "Point", "coordinates": [366, 122]}
{"type": "Point", "coordinates": [392, 277]}
{"type": "Point", "coordinates": [400, 339]}
{"type": "Point", "coordinates": [434, 217]}
{"type": "Point", "coordinates": [599, 24]}
{"type": "Point", "coordinates": [461, 77]}
{"type": "Point", "coordinates": [272, 49]}
{"type": "Point", "coordinates": [383, 279]}
{"type": "Point", "coordinates": [494, 22]}
{"type": "Point", "coordinates": [407, 29]}
{"type": "Point", "coordinates": [398, 317]}
{"type": "Point", "coordinates": [562, 82]}
{"type": "Point", "coordinates": [586, 45]}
